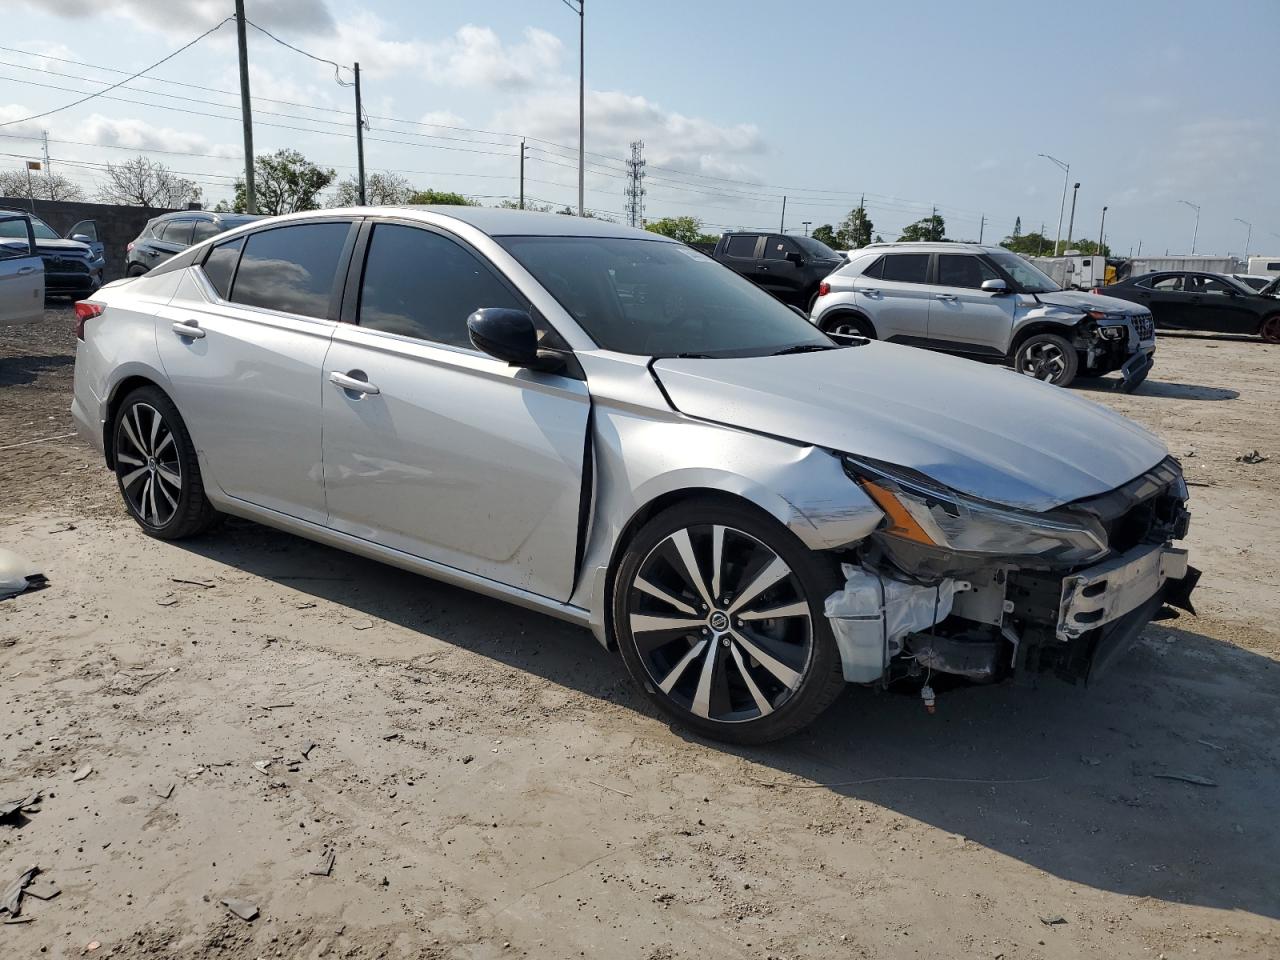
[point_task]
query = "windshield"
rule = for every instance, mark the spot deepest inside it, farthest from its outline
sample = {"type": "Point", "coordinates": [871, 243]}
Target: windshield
{"type": "Point", "coordinates": [15, 228]}
{"type": "Point", "coordinates": [816, 248]}
{"type": "Point", "coordinates": [659, 299]}
{"type": "Point", "coordinates": [1027, 276]}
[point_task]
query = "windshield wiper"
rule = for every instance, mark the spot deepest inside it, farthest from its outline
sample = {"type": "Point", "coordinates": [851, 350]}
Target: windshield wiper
{"type": "Point", "coordinates": [803, 348]}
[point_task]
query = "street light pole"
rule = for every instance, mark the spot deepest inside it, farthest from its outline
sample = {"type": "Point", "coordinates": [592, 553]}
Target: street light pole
{"type": "Point", "coordinates": [806, 226]}
{"type": "Point", "coordinates": [1196, 232]}
{"type": "Point", "coordinates": [1247, 240]}
{"type": "Point", "coordinates": [1102, 230]}
{"type": "Point", "coordinates": [1066, 177]}
{"type": "Point", "coordinates": [1072, 222]}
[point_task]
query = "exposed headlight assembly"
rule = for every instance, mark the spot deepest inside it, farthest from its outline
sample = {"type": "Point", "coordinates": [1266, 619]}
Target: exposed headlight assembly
{"type": "Point", "coordinates": [933, 530]}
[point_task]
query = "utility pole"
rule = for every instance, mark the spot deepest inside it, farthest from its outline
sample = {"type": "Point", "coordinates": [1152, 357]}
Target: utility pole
{"type": "Point", "coordinates": [1040, 242]}
{"type": "Point", "coordinates": [246, 115]}
{"type": "Point", "coordinates": [582, 109]}
{"type": "Point", "coordinates": [364, 199]}
{"type": "Point", "coordinates": [1072, 222]}
{"type": "Point", "coordinates": [1139, 253]}
{"type": "Point", "coordinates": [31, 192]}
{"type": "Point", "coordinates": [782, 226]}
{"type": "Point", "coordinates": [1066, 176]}
{"type": "Point", "coordinates": [1248, 240]}
{"type": "Point", "coordinates": [635, 185]}
{"type": "Point", "coordinates": [48, 167]}
{"type": "Point", "coordinates": [1195, 233]}
{"type": "Point", "coordinates": [1102, 230]}
{"type": "Point", "coordinates": [806, 226]}
{"type": "Point", "coordinates": [982, 227]}
{"type": "Point", "coordinates": [522, 173]}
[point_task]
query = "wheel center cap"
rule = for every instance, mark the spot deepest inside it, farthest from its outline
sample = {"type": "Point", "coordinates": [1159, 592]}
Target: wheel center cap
{"type": "Point", "coordinates": [151, 463]}
{"type": "Point", "coordinates": [718, 621]}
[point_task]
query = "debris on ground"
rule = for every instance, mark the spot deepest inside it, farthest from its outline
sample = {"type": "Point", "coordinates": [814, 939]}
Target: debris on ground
{"type": "Point", "coordinates": [306, 750]}
{"type": "Point", "coordinates": [11, 808]}
{"type": "Point", "coordinates": [18, 575]}
{"type": "Point", "coordinates": [261, 766]}
{"type": "Point", "coordinates": [82, 772]}
{"type": "Point", "coordinates": [1195, 778]}
{"type": "Point", "coordinates": [1253, 456]}
{"type": "Point", "coordinates": [11, 898]}
{"type": "Point", "coordinates": [325, 866]}
{"type": "Point", "coordinates": [1053, 920]}
{"type": "Point", "coordinates": [362, 625]}
{"type": "Point", "coordinates": [241, 908]}
{"type": "Point", "coordinates": [164, 792]}
{"type": "Point", "coordinates": [205, 584]}
{"type": "Point", "coordinates": [42, 888]}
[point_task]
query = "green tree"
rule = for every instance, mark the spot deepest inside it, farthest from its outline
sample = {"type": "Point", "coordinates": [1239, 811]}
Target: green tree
{"type": "Point", "coordinates": [1032, 244]}
{"type": "Point", "coordinates": [286, 182]}
{"type": "Point", "coordinates": [443, 198]}
{"type": "Point", "coordinates": [856, 230]}
{"type": "Point", "coordinates": [380, 189]}
{"type": "Point", "coordinates": [927, 228]}
{"type": "Point", "coordinates": [528, 205]}
{"type": "Point", "coordinates": [827, 234]}
{"type": "Point", "coordinates": [1090, 247]}
{"type": "Point", "coordinates": [684, 229]}
{"type": "Point", "coordinates": [1017, 228]}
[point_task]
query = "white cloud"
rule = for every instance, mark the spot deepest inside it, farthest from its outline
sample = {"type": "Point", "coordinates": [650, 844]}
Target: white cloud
{"type": "Point", "coordinates": [140, 135]}
{"type": "Point", "coordinates": [476, 57]}
{"type": "Point", "coordinates": [442, 118]}
{"type": "Point", "coordinates": [14, 111]}
{"type": "Point", "coordinates": [181, 16]}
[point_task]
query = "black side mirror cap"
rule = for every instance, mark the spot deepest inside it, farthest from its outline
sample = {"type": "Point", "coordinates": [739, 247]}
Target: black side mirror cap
{"type": "Point", "coordinates": [510, 336]}
{"type": "Point", "coordinates": [796, 258]}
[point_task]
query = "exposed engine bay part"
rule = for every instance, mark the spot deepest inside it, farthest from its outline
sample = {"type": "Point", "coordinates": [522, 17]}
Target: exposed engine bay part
{"type": "Point", "coordinates": [18, 575]}
{"type": "Point", "coordinates": [975, 656]}
{"type": "Point", "coordinates": [872, 615]}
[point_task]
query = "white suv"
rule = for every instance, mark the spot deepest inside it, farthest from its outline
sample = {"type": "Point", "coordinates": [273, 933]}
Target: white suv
{"type": "Point", "coordinates": [986, 303]}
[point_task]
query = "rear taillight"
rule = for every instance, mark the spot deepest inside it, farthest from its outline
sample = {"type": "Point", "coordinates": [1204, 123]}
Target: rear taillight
{"type": "Point", "coordinates": [824, 288]}
{"type": "Point", "coordinates": [128, 247]}
{"type": "Point", "coordinates": [86, 310]}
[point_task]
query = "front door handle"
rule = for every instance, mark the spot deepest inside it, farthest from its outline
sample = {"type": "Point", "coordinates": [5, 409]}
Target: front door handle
{"type": "Point", "coordinates": [25, 270]}
{"type": "Point", "coordinates": [870, 293]}
{"type": "Point", "coordinates": [946, 296]}
{"type": "Point", "coordinates": [354, 384]}
{"type": "Point", "coordinates": [191, 330]}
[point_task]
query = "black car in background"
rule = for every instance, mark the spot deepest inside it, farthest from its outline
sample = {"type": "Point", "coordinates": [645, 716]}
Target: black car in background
{"type": "Point", "coordinates": [172, 233]}
{"type": "Point", "coordinates": [73, 265]}
{"type": "Point", "coordinates": [787, 265]}
{"type": "Point", "coordinates": [1215, 302]}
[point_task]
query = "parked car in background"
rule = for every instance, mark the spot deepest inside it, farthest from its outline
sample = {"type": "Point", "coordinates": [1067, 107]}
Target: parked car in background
{"type": "Point", "coordinates": [788, 266]}
{"type": "Point", "coordinates": [73, 265]}
{"type": "Point", "coordinates": [604, 425]}
{"type": "Point", "coordinates": [172, 233]}
{"type": "Point", "coordinates": [985, 303]}
{"type": "Point", "coordinates": [21, 271]}
{"type": "Point", "coordinates": [1213, 302]}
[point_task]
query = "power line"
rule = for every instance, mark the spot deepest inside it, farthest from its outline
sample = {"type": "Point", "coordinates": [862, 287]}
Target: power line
{"type": "Point", "coordinates": [76, 103]}
{"type": "Point", "coordinates": [337, 67]}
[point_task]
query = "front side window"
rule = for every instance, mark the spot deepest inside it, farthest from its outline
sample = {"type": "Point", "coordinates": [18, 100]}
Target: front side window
{"type": "Point", "coordinates": [1028, 277]}
{"type": "Point", "coordinates": [906, 267]}
{"type": "Point", "coordinates": [656, 298]}
{"type": "Point", "coordinates": [291, 269]}
{"type": "Point", "coordinates": [1212, 285]}
{"type": "Point", "coordinates": [777, 248]}
{"type": "Point", "coordinates": [815, 248]}
{"type": "Point", "coordinates": [963, 271]}
{"type": "Point", "coordinates": [741, 246]}
{"type": "Point", "coordinates": [220, 265]}
{"type": "Point", "coordinates": [421, 284]}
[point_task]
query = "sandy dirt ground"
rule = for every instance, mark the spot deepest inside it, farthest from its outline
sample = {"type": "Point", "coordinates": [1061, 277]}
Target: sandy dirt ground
{"type": "Point", "coordinates": [489, 785]}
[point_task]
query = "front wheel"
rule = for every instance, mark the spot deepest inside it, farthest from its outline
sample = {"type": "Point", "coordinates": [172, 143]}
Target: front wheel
{"type": "Point", "coordinates": [156, 467]}
{"type": "Point", "coordinates": [718, 612]}
{"type": "Point", "coordinates": [1270, 329]}
{"type": "Point", "coordinates": [1047, 357]}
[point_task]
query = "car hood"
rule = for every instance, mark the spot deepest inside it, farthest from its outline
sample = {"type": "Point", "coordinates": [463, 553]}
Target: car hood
{"type": "Point", "coordinates": [984, 431]}
{"type": "Point", "coordinates": [63, 247]}
{"type": "Point", "coordinates": [1088, 301]}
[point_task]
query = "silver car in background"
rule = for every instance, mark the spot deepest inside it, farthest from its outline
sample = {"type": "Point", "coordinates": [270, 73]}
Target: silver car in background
{"type": "Point", "coordinates": [609, 427]}
{"type": "Point", "coordinates": [985, 303]}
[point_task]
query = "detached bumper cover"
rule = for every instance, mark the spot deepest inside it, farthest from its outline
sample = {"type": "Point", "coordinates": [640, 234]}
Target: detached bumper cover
{"type": "Point", "coordinates": [1136, 369]}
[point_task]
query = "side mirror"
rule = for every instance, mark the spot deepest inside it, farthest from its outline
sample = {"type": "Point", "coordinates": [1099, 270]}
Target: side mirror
{"type": "Point", "coordinates": [81, 238]}
{"type": "Point", "coordinates": [994, 286]}
{"type": "Point", "coordinates": [510, 336]}
{"type": "Point", "coordinates": [796, 258]}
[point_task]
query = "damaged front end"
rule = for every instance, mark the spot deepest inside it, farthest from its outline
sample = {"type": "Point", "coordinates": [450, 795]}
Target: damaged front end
{"type": "Point", "coordinates": [1108, 342]}
{"type": "Point", "coordinates": [955, 585]}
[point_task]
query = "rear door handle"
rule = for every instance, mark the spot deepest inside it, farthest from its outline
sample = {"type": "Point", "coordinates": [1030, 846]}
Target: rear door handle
{"type": "Point", "coordinates": [354, 384]}
{"type": "Point", "coordinates": [25, 270]}
{"type": "Point", "coordinates": [191, 330]}
{"type": "Point", "coordinates": [946, 296]}
{"type": "Point", "coordinates": [870, 293]}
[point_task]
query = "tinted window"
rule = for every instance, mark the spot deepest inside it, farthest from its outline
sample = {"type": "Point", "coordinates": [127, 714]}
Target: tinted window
{"type": "Point", "coordinates": [220, 265]}
{"type": "Point", "coordinates": [1166, 283]}
{"type": "Point", "coordinates": [963, 271]}
{"type": "Point", "coordinates": [1202, 284]}
{"type": "Point", "coordinates": [876, 270]}
{"type": "Point", "coordinates": [777, 248]}
{"type": "Point", "coordinates": [741, 247]}
{"type": "Point", "coordinates": [204, 230]}
{"type": "Point", "coordinates": [291, 268]}
{"type": "Point", "coordinates": [177, 231]}
{"type": "Point", "coordinates": [906, 267]}
{"type": "Point", "coordinates": [420, 284]}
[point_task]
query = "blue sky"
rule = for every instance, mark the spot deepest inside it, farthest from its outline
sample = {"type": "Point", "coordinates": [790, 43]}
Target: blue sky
{"type": "Point", "coordinates": [738, 103]}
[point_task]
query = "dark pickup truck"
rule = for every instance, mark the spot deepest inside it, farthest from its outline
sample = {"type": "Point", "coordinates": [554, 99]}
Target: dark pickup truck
{"type": "Point", "coordinates": [788, 266]}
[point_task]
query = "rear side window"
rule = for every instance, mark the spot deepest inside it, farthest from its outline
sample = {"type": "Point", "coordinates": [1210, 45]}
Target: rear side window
{"type": "Point", "coordinates": [420, 284]}
{"type": "Point", "coordinates": [291, 269]}
{"type": "Point", "coordinates": [906, 267]}
{"type": "Point", "coordinates": [876, 270]}
{"type": "Point", "coordinates": [963, 271]}
{"type": "Point", "coordinates": [204, 230]}
{"type": "Point", "coordinates": [220, 265]}
{"type": "Point", "coordinates": [177, 231]}
{"type": "Point", "coordinates": [741, 247]}
{"type": "Point", "coordinates": [1165, 283]}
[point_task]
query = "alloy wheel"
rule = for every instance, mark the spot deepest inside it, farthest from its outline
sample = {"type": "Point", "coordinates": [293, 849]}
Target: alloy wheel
{"type": "Point", "coordinates": [1044, 361]}
{"type": "Point", "coordinates": [721, 623]}
{"type": "Point", "coordinates": [148, 464]}
{"type": "Point", "coordinates": [1271, 329]}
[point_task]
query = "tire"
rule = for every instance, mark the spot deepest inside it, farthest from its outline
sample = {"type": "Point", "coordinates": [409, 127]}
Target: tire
{"type": "Point", "coordinates": [747, 680]}
{"type": "Point", "coordinates": [846, 325]}
{"type": "Point", "coordinates": [136, 270]}
{"type": "Point", "coordinates": [1047, 357]}
{"type": "Point", "coordinates": [156, 467]}
{"type": "Point", "coordinates": [1269, 329]}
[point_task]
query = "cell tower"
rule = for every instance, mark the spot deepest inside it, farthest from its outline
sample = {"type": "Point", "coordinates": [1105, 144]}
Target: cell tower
{"type": "Point", "coordinates": [635, 185]}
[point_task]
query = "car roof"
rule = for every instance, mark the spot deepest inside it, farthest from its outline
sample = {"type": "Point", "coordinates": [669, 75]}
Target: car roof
{"type": "Point", "coordinates": [930, 246]}
{"type": "Point", "coordinates": [500, 222]}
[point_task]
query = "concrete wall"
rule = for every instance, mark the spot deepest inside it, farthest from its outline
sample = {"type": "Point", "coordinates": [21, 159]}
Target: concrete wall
{"type": "Point", "coordinates": [117, 225]}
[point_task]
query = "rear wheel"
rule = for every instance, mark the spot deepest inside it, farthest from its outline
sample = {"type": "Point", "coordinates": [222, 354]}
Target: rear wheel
{"type": "Point", "coordinates": [847, 325]}
{"type": "Point", "coordinates": [718, 612]}
{"type": "Point", "coordinates": [1269, 330]}
{"type": "Point", "coordinates": [1047, 357]}
{"type": "Point", "coordinates": [156, 467]}
{"type": "Point", "coordinates": [136, 270]}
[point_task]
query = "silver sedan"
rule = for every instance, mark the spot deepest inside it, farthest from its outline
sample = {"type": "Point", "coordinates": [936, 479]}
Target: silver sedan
{"type": "Point", "coordinates": [609, 427]}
